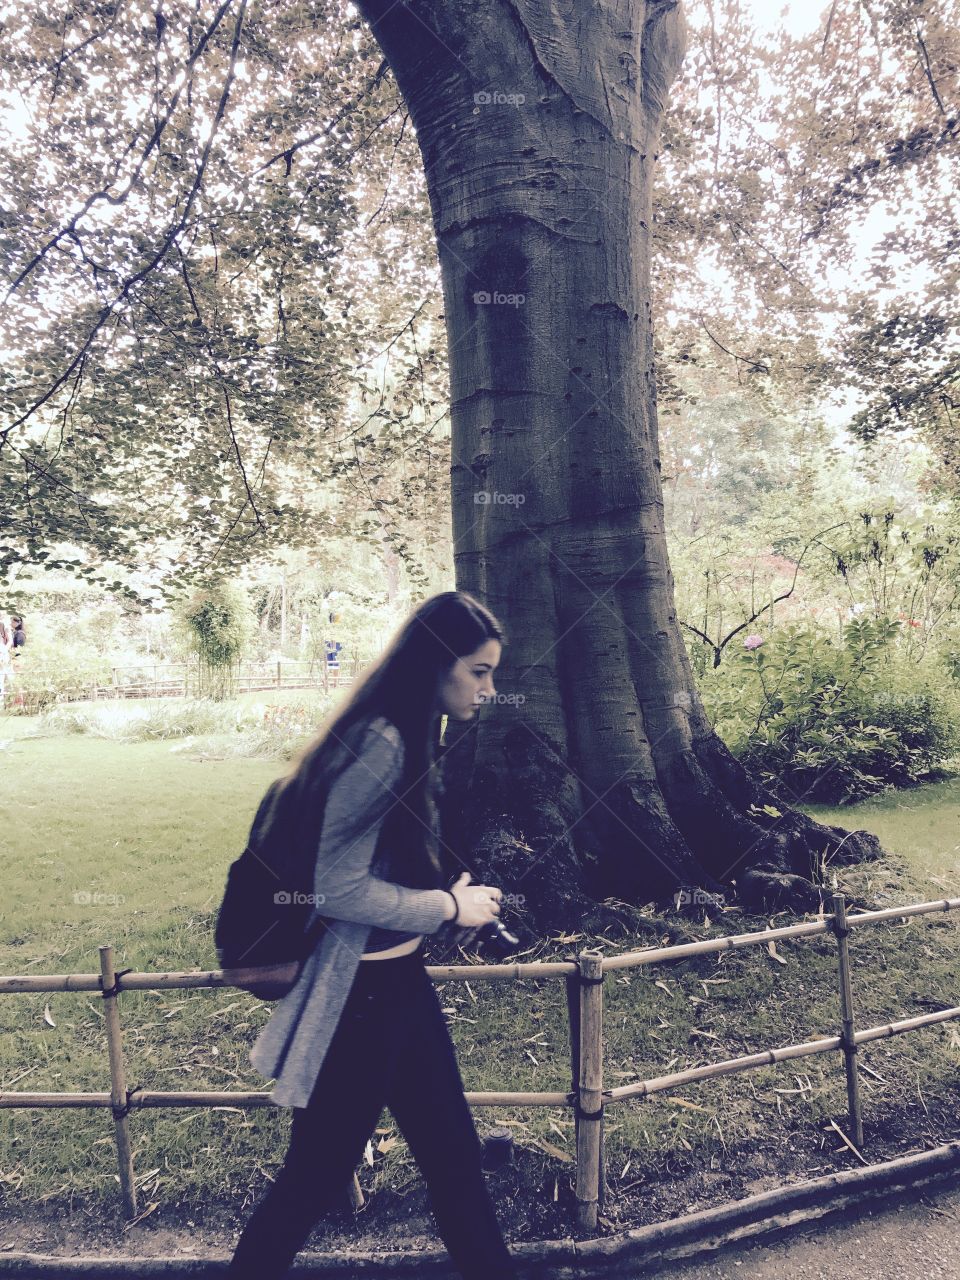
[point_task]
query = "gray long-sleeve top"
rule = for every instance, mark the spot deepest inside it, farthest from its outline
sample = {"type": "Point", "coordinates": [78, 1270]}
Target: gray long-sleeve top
{"type": "Point", "coordinates": [293, 1043]}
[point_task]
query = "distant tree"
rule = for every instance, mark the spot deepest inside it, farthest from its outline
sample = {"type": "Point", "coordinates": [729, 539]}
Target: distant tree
{"type": "Point", "coordinates": [218, 622]}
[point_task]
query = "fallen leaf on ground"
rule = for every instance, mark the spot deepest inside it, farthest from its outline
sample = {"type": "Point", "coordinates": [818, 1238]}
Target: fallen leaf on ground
{"type": "Point", "coordinates": [551, 1150]}
{"type": "Point", "coordinates": [691, 1106]}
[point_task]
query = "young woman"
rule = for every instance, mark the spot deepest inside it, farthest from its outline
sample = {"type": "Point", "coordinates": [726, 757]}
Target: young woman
{"type": "Point", "coordinates": [362, 1028]}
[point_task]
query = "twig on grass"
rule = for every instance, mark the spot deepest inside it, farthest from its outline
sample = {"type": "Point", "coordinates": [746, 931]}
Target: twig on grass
{"type": "Point", "coordinates": [834, 1125]}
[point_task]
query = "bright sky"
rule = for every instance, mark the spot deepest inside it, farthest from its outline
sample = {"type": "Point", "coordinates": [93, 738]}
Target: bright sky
{"type": "Point", "coordinates": [799, 17]}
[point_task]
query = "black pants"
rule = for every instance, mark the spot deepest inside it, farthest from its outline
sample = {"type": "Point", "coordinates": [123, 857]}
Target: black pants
{"type": "Point", "coordinates": [391, 1048]}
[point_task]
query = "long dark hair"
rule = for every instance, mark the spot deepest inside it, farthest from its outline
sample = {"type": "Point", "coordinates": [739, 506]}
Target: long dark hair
{"type": "Point", "coordinates": [402, 686]}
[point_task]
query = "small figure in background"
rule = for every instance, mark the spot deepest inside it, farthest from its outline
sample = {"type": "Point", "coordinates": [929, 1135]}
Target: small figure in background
{"type": "Point", "coordinates": [19, 637]}
{"type": "Point", "coordinates": [332, 653]}
{"type": "Point", "coordinates": [332, 648]}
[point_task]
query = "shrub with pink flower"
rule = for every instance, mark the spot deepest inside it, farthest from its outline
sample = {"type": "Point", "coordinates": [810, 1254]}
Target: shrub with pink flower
{"type": "Point", "coordinates": [753, 642]}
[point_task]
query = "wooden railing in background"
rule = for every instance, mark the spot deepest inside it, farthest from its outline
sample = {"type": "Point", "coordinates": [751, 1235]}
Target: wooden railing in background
{"type": "Point", "coordinates": [181, 679]}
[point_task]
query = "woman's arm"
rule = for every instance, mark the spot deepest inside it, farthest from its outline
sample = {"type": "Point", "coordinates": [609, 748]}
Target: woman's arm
{"type": "Point", "coordinates": [345, 888]}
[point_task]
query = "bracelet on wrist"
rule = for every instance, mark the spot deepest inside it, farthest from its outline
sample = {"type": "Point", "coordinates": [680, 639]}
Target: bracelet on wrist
{"type": "Point", "coordinates": [456, 905]}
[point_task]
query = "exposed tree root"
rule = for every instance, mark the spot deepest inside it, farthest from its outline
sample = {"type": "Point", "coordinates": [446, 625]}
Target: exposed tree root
{"type": "Point", "coordinates": [703, 828]}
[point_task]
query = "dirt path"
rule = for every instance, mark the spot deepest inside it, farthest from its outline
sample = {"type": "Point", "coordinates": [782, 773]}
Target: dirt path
{"type": "Point", "coordinates": [918, 1241]}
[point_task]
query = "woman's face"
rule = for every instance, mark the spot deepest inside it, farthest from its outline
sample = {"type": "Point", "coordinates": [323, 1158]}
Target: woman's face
{"type": "Point", "coordinates": [469, 682]}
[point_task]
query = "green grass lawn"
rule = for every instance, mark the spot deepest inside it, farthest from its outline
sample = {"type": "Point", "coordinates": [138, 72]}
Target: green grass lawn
{"type": "Point", "coordinates": [922, 825]}
{"type": "Point", "coordinates": [155, 829]}
{"type": "Point", "coordinates": [141, 822]}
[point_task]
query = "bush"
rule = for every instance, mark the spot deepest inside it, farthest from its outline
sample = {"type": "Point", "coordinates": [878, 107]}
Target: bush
{"type": "Point", "coordinates": [835, 722]}
{"type": "Point", "coordinates": [125, 723]}
{"type": "Point", "coordinates": [273, 732]}
{"type": "Point", "coordinates": [219, 623]}
{"type": "Point", "coordinates": [270, 731]}
{"type": "Point", "coordinates": [53, 671]}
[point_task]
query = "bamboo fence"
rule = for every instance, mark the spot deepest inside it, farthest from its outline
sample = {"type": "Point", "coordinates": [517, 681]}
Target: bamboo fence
{"type": "Point", "coordinates": [584, 979]}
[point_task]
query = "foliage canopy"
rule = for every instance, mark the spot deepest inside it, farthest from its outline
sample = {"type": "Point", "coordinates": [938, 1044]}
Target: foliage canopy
{"type": "Point", "coordinates": [222, 313]}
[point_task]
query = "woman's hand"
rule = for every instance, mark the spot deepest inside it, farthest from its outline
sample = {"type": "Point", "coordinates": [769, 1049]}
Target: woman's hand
{"type": "Point", "coordinates": [478, 903]}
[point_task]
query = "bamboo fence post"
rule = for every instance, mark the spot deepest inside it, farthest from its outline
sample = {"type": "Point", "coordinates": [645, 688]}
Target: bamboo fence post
{"type": "Point", "coordinates": [118, 1083]}
{"type": "Point", "coordinates": [847, 1028]}
{"type": "Point", "coordinates": [589, 1088]}
{"type": "Point", "coordinates": [602, 1163]}
{"type": "Point", "coordinates": [572, 984]}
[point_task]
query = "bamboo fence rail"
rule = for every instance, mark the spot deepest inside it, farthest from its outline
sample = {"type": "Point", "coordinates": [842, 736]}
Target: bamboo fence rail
{"type": "Point", "coordinates": [584, 979]}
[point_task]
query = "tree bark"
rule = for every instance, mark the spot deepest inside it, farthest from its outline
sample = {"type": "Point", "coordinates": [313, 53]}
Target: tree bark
{"type": "Point", "coordinates": [598, 774]}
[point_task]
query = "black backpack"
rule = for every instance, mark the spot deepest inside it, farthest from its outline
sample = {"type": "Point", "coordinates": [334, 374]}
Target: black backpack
{"type": "Point", "coordinates": [268, 898]}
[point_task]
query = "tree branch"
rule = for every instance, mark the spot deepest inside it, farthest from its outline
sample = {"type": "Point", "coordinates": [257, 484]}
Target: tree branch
{"type": "Point", "coordinates": [755, 366]}
{"type": "Point", "coordinates": [910, 149]}
{"type": "Point", "coordinates": [121, 196]}
{"type": "Point", "coordinates": [719, 646]}
{"type": "Point", "coordinates": [65, 53]}
{"type": "Point", "coordinates": [929, 72]}
{"type": "Point", "coordinates": [161, 253]}
{"type": "Point", "coordinates": [288, 152]}
{"type": "Point", "coordinates": [222, 382]}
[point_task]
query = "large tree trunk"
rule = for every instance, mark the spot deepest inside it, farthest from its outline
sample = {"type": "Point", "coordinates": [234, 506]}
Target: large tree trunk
{"type": "Point", "coordinates": [599, 773]}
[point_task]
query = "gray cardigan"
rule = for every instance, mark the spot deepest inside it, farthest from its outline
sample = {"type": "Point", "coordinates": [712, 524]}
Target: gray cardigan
{"type": "Point", "coordinates": [292, 1045]}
